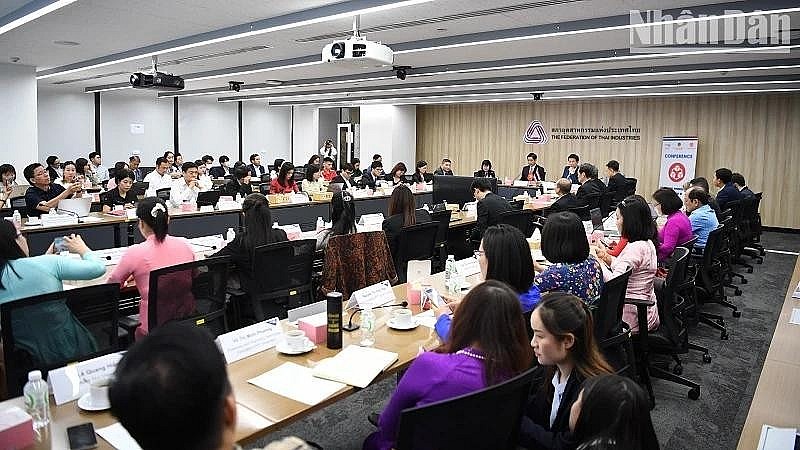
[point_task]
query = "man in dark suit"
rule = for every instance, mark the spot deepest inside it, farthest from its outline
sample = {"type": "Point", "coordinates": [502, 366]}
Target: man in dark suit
{"type": "Point", "coordinates": [446, 168]}
{"type": "Point", "coordinates": [571, 169]}
{"type": "Point", "coordinates": [255, 167]}
{"type": "Point", "coordinates": [566, 199]}
{"type": "Point", "coordinates": [591, 190]}
{"type": "Point", "coordinates": [345, 176]}
{"type": "Point", "coordinates": [222, 169]}
{"type": "Point", "coordinates": [239, 185]}
{"type": "Point", "coordinates": [368, 180]}
{"type": "Point", "coordinates": [490, 207]}
{"type": "Point", "coordinates": [723, 178]}
{"type": "Point", "coordinates": [533, 171]}
{"type": "Point", "coordinates": [617, 182]}
{"type": "Point", "coordinates": [741, 185]}
{"type": "Point", "coordinates": [134, 162]}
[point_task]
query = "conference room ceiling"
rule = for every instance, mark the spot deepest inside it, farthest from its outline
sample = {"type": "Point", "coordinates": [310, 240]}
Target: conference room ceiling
{"type": "Point", "coordinates": [447, 44]}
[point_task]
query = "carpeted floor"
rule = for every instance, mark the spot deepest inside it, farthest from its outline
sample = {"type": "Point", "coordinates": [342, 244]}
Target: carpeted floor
{"type": "Point", "coordinates": [712, 422]}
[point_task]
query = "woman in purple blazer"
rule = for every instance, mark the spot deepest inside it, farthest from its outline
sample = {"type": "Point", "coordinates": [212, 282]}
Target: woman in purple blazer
{"type": "Point", "coordinates": [678, 229]}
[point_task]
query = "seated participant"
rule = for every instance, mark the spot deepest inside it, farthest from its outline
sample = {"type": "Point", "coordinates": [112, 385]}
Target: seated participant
{"type": "Point", "coordinates": [635, 225]}
{"type": "Point", "coordinates": [723, 179]}
{"type": "Point", "coordinates": [171, 390]}
{"type": "Point", "coordinates": [48, 331]}
{"type": "Point", "coordinates": [222, 169]}
{"type": "Point", "coordinates": [83, 168]}
{"type": "Point", "coordinates": [43, 195]}
{"type": "Point", "coordinates": [97, 167]}
{"type": "Point", "coordinates": [486, 346]}
{"type": "Point", "coordinates": [240, 184]}
{"type": "Point", "coordinates": [566, 199]}
{"type": "Point", "coordinates": [258, 231]}
{"type": "Point", "coordinates": [617, 182]}
{"type": "Point", "coordinates": [356, 168]}
{"type": "Point", "coordinates": [369, 179]}
{"type": "Point", "coordinates": [402, 213]}
{"type": "Point", "coordinates": [504, 256]}
{"type": "Point", "coordinates": [185, 190]}
{"type": "Point", "coordinates": [69, 175]}
{"type": "Point", "coordinates": [395, 176]}
{"type": "Point", "coordinates": [345, 176]}
{"type": "Point", "coordinates": [703, 183]}
{"type": "Point", "coordinates": [572, 268]}
{"type": "Point", "coordinates": [158, 178]}
{"type": "Point", "coordinates": [612, 412]}
{"type": "Point", "coordinates": [421, 174]}
{"type": "Point", "coordinates": [133, 164]}
{"type": "Point", "coordinates": [445, 168]}
{"type": "Point", "coordinates": [8, 175]}
{"type": "Point", "coordinates": [121, 195]}
{"type": "Point", "coordinates": [489, 209]}
{"type": "Point", "coordinates": [701, 216]}
{"type": "Point", "coordinates": [112, 183]}
{"type": "Point", "coordinates": [343, 219]}
{"type": "Point", "coordinates": [208, 161]}
{"type": "Point", "coordinates": [328, 172]}
{"type": "Point", "coordinates": [284, 183]}
{"type": "Point", "coordinates": [203, 179]}
{"type": "Point", "coordinates": [54, 167]}
{"type": "Point", "coordinates": [255, 167]}
{"type": "Point", "coordinates": [276, 168]}
{"type": "Point", "coordinates": [590, 185]}
{"type": "Point", "coordinates": [315, 160]}
{"type": "Point", "coordinates": [741, 185]}
{"type": "Point", "coordinates": [533, 171]}
{"type": "Point", "coordinates": [177, 165]}
{"type": "Point", "coordinates": [677, 229]}
{"type": "Point", "coordinates": [571, 169]}
{"type": "Point", "coordinates": [486, 170]}
{"type": "Point", "coordinates": [313, 180]}
{"type": "Point", "coordinates": [564, 344]}
{"type": "Point", "coordinates": [158, 250]}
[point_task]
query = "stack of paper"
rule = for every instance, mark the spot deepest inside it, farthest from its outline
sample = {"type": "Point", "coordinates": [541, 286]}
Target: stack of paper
{"type": "Point", "coordinates": [297, 383]}
{"type": "Point", "coordinates": [118, 437]}
{"type": "Point", "coordinates": [355, 365]}
{"type": "Point", "coordinates": [796, 293]}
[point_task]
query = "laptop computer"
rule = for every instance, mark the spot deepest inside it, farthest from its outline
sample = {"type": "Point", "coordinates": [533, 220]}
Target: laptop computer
{"type": "Point", "coordinates": [76, 206]}
{"type": "Point", "coordinates": [139, 188]}
{"type": "Point", "coordinates": [208, 198]}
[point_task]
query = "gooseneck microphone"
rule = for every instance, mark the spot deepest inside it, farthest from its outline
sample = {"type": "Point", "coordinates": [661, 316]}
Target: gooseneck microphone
{"type": "Point", "coordinates": [351, 327]}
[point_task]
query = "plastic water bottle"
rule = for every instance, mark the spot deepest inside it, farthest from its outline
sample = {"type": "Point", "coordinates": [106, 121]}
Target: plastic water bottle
{"type": "Point", "coordinates": [275, 224]}
{"type": "Point", "coordinates": [230, 235]}
{"type": "Point", "coordinates": [37, 399]}
{"type": "Point", "coordinates": [320, 224]}
{"type": "Point", "coordinates": [17, 219]}
{"type": "Point", "coordinates": [367, 328]}
{"type": "Point", "coordinates": [449, 269]}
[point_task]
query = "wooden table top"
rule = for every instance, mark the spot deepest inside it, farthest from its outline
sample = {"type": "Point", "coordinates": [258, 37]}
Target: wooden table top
{"type": "Point", "coordinates": [776, 400]}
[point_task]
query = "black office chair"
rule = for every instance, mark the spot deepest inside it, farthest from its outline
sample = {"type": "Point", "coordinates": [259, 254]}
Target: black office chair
{"type": "Point", "coordinates": [630, 187]}
{"type": "Point", "coordinates": [18, 204]}
{"type": "Point", "coordinates": [192, 292]}
{"type": "Point", "coordinates": [440, 251]}
{"type": "Point", "coordinates": [163, 193]}
{"type": "Point", "coordinates": [752, 246]}
{"type": "Point", "coordinates": [742, 210]}
{"type": "Point", "coordinates": [582, 212]}
{"type": "Point", "coordinates": [725, 253]}
{"type": "Point", "coordinates": [593, 200]}
{"type": "Point", "coordinates": [521, 220]}
{"type": "Point", "coordinates": [709, 284]}
{"type": "Point", "coordinates": [488, 419]}
{"type": "Point", "coordinates": [608, 203]}
{"type": "Point", "coordinates": [516, 205]}
{"type": "Point", "coordinates": [282, 278]}
{"type": "Point", "coordinates": [266, 178]}
{"type": "Point", "coordinates": [613, 335]}
{"type": "Point", "coordinates": [416, 242]}
{"type": "Point", "coordinates": [92, 328]}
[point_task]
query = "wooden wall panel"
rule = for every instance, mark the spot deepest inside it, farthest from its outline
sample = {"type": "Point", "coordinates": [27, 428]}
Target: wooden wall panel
{"type": "Point", "coordinates": [757, 135]}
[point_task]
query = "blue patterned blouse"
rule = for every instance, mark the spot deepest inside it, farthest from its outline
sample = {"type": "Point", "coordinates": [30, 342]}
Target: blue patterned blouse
{"type": "Point", "coordinates": [583, 279]}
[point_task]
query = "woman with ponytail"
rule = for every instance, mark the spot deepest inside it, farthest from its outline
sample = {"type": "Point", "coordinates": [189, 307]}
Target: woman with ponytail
{"type": "Point", "coordinates": [158, 250]}
{"type": "Point", "coordinates": [563, 342]}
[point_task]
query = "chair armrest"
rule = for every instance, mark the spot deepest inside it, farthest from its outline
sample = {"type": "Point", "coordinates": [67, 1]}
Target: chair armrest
{"type": "Point", "coordinates": [637, 302]}
{"type": "Point", "coordinates": [129, 323]}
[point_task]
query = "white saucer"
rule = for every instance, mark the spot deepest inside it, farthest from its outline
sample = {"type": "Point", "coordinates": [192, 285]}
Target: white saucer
{"type": "Point", "coordinates": [414, 324]}
{"type": "Point", "coordinates": [85, 403]}
{"type": "Point", "coordinates": [284, 348]}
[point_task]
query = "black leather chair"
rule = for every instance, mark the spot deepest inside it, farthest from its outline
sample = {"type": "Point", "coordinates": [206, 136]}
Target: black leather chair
{"type": "Point", "coordinates": [751, 243]}
{"type": "Point", "coordinates": [416, 242]}
{"type": "Point", "coordinates": [442, 218]}
{"type": "Point", "coordinates": [630, 187]}
{"type": "Point", "coordinates": [726, 251]}
{"type": "Point", "coordinates": [163, 193]}
{"type": "Point", "coordinates": [613, 335]}
{"type": "Point", "coordinates": [521, 220]}
{"type": "Point", "coordinates": [709, 283]}
{"type": "Point", "coordinates": [488, 419]}
{"type": "Point", "coordinates": [582, 212]}
{"type": "Point", "coordinates": [607, 203]}
{"type": "Point", "coordinates": [18, 204]}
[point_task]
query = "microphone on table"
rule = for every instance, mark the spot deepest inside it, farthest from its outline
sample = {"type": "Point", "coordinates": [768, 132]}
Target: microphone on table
{"type": "Point", "coordinates": [351, 327]}
{"type": "Point", "coordinates": [212, 247]}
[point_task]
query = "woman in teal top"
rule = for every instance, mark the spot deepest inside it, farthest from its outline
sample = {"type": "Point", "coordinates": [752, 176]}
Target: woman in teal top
{"type": "Point", "coordinates": [49, 331]}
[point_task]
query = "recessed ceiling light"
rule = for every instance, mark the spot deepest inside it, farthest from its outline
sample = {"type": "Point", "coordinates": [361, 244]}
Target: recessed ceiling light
{"type": "Point", "coordinates": [274, 82]}
{"type": "Point", "coordinates": [441, 29]}
{"type": "Point", "coordinates": [67, 43]}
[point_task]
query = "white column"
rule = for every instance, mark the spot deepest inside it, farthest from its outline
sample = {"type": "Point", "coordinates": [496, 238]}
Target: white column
{"type": "Point", "coordinates": [19, 145]}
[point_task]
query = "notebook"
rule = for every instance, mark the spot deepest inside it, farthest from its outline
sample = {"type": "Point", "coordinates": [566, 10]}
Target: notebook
{"type": "Point", "coordinates": [355, 365]}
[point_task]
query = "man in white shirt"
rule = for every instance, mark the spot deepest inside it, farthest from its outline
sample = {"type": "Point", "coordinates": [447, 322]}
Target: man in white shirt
{"type": "Point", "coordinates": [328, 149]}
{"type": "Point", "coordinates": [100, 170]}
{"type": "Point", "coordinates": [185, 190]}
{"type": "Point", "coordinates": [159, 178]}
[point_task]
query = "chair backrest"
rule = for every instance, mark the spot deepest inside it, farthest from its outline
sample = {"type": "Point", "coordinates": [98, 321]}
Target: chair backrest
{"type": "Point", "coordinates": [606, 202]}
{"type": "Point", "coordinates": [487, 419]}
{"type": "Point", "coordinates": [517, 205]}
{"type": "Point", "coordinates": [671, 326]}
{"type": "Point", "coordinates": [521, 220]}
{"type": "Point", "coordinates": [582, 212]}
{"type": "Point", "coordinates": [163, 193]}
{"type": "Point", "coordinates": [355, 261]}
{"type": "Point", "coordinates": [282, 274]}
{"type": "Point", "coordinates": [608, 314]}
{"type": "Point", "coordinates": [690, 243]}
{"type": "Point", "coordinates": [593, 200]}
{"type": "Point", "coordinates": [443, 219]}
{"type": "Point", "coordinates": [755, 223]}
{"type": "Point", "coordinates": [190, 292]}
{"type": "Point", "coordinates": [630, 187]}
{"type": "Point", "coordinates": [18, 204]}
{"type": "Point", "coordinates": [416, 242]}
{"type": "Point", "coordinates": [52, 330]}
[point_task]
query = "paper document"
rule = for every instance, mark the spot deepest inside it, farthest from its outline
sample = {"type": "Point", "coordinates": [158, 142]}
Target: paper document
{"type": "Point", "coordinates": [355, 365]}
{"type": "Point", "coordinates": [426, 318]}
{"type": "Point", "coordinates": [773, 438]}
{"type": "Point", "coordinates": [795, 318]}
{"type": "Point", "coordinates": [118, 437]}
{"type": "Point", "coordinates": [297, 383]}
{"type": "Point", "coordinates": [796, 293]}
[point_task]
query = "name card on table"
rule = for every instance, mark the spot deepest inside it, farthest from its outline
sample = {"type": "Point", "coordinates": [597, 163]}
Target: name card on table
{"type": "Point", "coordinates": [372, 296]}
{"type": "Point", "coordinates": [468, 266]}
{"type": "Point", "coordinates": [249, 340]}
{"type": "Point", "coordinates": [371, 219]}
{"type": "Point", "coordinates": [72, 381]}
{"type": "Point", "coordinates": [520, 183]}
{"type": "Point", "coordinates": [299, 198]}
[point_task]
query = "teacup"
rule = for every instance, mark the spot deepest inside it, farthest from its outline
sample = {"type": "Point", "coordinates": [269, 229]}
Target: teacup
{"type": "Point", "coordinates": [296, 340]}
{"type": "Point", "coordinates": [98, 392]}
{"type": "Point", "coordinates": [402, 317]}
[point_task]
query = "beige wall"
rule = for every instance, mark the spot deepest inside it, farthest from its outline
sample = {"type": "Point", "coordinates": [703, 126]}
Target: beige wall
{"type": "Point", "coordinates": [757, 135]}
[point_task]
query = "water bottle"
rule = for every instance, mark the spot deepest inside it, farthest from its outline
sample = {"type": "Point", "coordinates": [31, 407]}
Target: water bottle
{"type": "Point", "coordinates": [449, 268]}
{"type": "Point", "coordinates": [230, 235]}
{"type": "Point", "coordinates": [320, 224]}
{"type": "Point", "coordinates": [426, 208]}
{"type": "Point", "coordinates": [275, 224]}
{"type": "Point", "coordinates": [17, 219]}
{"type": "Point", "coordinates": [456, 279]}
{"type": "Point", "coordinates": [367, 328]}
{"type": "Point", "coordinates": [37, 399]}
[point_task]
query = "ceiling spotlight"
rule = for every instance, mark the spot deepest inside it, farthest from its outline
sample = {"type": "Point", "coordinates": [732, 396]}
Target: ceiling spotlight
{"type": "Point", "coordinates": [401, 71]}
{"type": "Point", "coordinates": [235, 85]}
{"type": "Point", "coordinates": [537, 96]}
{"type": "Point", "coordinates": [67, 43]}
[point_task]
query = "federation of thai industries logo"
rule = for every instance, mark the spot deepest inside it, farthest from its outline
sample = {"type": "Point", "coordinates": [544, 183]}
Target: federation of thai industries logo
{"type": "Point", "coordinates": [535, 134]}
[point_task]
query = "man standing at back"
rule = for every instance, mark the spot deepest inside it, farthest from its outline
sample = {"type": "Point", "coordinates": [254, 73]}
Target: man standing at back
{"type": "Point", "coordinates": [490, 207]}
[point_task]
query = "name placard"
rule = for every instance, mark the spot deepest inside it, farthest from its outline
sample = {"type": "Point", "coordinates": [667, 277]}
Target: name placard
{"type": "Point", "coordinates": [372, 296]}
{"type": "Point", "coordinates": [299, 198]}
{"type": "Point", "coordinates": [468, 266]}
{"type": "Point", "coordinates": [248, 341]}
{"type": "Point", "coordinates": [72, 381]}
{"type": "Point", "coordinates": [371, 219]}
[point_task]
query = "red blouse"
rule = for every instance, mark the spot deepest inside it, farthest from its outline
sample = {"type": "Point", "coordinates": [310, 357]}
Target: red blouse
{"type": "Point", "coordinates": [277, 188]}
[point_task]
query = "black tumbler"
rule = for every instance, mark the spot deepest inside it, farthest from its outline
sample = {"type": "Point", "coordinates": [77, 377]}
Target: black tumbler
{"type": "Point", "coordinates": [334, 320]}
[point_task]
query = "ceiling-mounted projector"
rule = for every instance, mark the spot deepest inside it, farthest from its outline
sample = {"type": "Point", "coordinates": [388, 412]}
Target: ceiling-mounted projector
{"type": "Point", "coordinates": [157, 80]}
{"type": "Point", "coordinates": [357, 50]}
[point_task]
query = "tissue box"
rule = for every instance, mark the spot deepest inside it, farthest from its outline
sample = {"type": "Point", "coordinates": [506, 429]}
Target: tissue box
{"type": "Point", "coordinates": [16, 429]}
{"type": "Point", "coordinates": [315, 327]}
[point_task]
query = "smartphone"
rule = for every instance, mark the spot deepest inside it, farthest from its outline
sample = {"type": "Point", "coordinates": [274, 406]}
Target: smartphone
{"type": "Point", "coordinates": [59, 245]}
{"type": "Point", "coordinates": [82, 437]}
